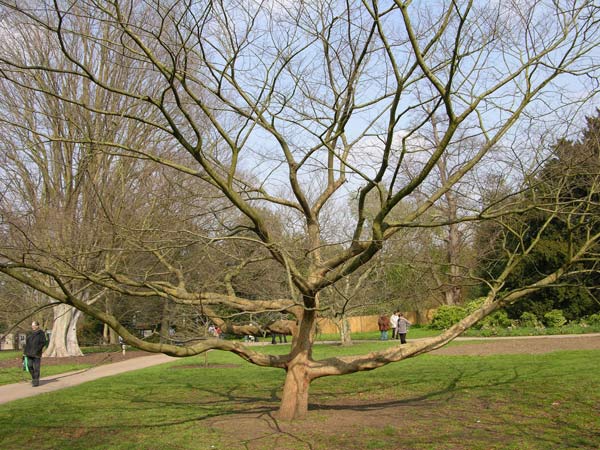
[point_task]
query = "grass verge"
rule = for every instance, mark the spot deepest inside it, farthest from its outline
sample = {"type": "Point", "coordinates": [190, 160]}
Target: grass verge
{"type": "Point", "coordinates": [11, 375]}
{"type": "Point", "coordinates": [14, 374]}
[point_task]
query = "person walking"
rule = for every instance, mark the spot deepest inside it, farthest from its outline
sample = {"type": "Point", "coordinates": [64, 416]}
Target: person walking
{"type": "Point", "coordinates": [32, 354]}
{"type": "Point", "coordinates": [282, 338]}
{"type": "Point", "coordinates": [394, 324]}
{"type": "Point", "coordinates": [123, 345]}
{"type": "Point", "coordinates": [384, 326]}
{"type": "Point", "coordinates": [402, 328]}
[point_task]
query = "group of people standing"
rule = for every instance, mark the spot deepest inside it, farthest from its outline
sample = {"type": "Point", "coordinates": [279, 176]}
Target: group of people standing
{"type": "Point", "coordinates": [397, 322]}
{"type": "Point", "coordinates": [215, 331]}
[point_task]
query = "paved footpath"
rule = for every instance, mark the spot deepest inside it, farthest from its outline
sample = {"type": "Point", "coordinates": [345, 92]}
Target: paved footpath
{"type": "Point", "coordinates": [51, 383]}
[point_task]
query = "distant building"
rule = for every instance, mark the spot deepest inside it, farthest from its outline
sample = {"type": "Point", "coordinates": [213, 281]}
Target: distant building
{"type": "Point", "coordinates": [12, 341]}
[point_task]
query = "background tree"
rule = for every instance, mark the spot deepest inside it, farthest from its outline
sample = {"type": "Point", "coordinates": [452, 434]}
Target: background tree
{"type": "Point", "coordinates": [289, 109]}
{"type": "Point", "coordinates": [58, 182]}
{"type": "Point", "coordinates": [18, 303]}
{"type": "Point", "coordinates": [446, 254]}
{"type": "Point", "coordinates": [569, 176]}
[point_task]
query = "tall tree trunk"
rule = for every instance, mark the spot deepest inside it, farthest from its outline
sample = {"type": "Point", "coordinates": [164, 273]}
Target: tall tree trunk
{"type": "Point", "coordinates": [422, 318]}
{"type": "Point", "coordinates": [165, 323]}
{"type": "Point", "coordinates": [345, 331]}
{"type": "Point", "coordinates": [453, 291]}
{"type": "Point", "coordinates": [63, 341]}
{"type": "Point", "coordinates": [105, 334]}
{"type": "Point", "coordinates": [109, 336]}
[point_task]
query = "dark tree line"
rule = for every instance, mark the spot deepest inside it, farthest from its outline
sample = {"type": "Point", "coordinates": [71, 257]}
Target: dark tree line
{"type": "Point", "coordinates": [572, 171]}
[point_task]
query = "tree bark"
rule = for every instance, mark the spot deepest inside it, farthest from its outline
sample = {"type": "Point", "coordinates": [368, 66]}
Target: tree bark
{"type": "Point", "coordinates": [294, 400]}
{"type": "Point", "coordinates": [109, 335]}
{"type": "Point", "coordinates": [345, 332]}
{"type": "Point", "coordinates": [165, 323]}
{"type": "Point", "coordinates": [63, 340]}
{"type": "Point", "coordinates": [453, 292]}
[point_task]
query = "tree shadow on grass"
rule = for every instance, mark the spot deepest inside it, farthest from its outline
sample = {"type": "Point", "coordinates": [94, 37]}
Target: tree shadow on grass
{"type": "Point", "coordinates": [236, 401]}
{"type": "Point", "coordinates": [217, 402]}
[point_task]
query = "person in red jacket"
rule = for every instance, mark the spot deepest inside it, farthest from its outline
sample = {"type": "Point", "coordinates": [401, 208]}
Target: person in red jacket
{"type": "Point", "coordinates": [34, 344]}
{"type": "Point", "coordinates": [384, 326]}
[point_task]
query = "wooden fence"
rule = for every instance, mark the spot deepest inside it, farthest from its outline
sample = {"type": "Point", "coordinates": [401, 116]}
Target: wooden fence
{"type": "Point", "coordinates": [361, 324]}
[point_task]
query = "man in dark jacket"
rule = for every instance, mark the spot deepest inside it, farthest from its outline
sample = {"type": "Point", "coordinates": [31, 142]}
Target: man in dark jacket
{"type": "Point", "coordinates": [35, 342]}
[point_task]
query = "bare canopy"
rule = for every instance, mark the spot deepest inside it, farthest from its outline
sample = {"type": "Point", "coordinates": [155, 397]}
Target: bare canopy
{"type": "Point", "coordinates": [279, 118]}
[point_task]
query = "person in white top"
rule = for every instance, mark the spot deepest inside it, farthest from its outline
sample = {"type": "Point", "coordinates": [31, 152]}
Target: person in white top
{"type": "Point", "coordinates": [394, 324]}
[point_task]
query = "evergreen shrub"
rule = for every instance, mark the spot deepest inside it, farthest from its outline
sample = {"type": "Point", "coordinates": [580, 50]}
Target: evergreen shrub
{"type": "Point", "coordinates": [554, 318]}
{"type": "Point", "coordinates": [592, 320]}
{"type": "Point", "coordinates": [529, 320]}
{"type": "Point", "coordinates": [446, 316]}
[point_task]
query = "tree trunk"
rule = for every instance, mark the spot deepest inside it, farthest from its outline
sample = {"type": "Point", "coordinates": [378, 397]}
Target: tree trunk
{"type": "Point", "coordinates": [453, 291]}
{"type": "Point", "coordinates": [422, 316]}
{"type": "Point", "coordinates": [345, 332]}
{"type": "Point", "coordinates": [294, 400]}
{"type": "Point", "coordinates": [109, 336]}
{"type": "Point", "coordinates": [63, 341]}
{"type": "Point", "coordinates": [165, 323]}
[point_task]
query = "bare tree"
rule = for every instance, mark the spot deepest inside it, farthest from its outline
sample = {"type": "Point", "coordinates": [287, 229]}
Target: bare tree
{"type": "Point", "coordinates": [446, 254]}
{"type": "Point", "coordinates": [350, 297]}
{"type": "Point", "coordinates": [290, 109]}
{"type": "Point", "coordinates": [62, 189]}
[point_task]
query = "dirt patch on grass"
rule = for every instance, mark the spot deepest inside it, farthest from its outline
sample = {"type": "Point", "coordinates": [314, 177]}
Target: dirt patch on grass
{"type": "Point", "coordinates": [393, 425]}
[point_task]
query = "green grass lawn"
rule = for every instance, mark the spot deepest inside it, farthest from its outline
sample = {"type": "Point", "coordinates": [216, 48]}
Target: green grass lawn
{"type": "Point", "coordinates": [450, 402]}
{"type": "Point", "coordinates": [9, 354]}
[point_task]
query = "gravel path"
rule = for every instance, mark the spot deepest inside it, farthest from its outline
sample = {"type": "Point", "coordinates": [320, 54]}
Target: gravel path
{"type": "Point", "coordinates": [520, 345]}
